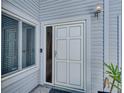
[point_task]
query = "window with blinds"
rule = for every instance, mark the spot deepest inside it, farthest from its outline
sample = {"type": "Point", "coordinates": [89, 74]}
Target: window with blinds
{"type": "Point", "coordinates": [9, 60]}
{"type": "Point", "coordinates": [28, 45]}
{"type": "Point", "coordinates": [13, 31]}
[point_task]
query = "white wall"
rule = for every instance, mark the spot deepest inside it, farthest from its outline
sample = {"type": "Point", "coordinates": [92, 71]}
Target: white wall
{"type": "Point", "coordinates": [115, 33]}
{"type": "Point", "coordinates": [30, 7]}
{"type": "Point", "coordinates": [27, 79]}
{"type": "Point", "coordinates": [57, 9]}
{"type": "Point", "coordinates": [114, 11]}
{"type": "Point", "coordinates": [22, 85]}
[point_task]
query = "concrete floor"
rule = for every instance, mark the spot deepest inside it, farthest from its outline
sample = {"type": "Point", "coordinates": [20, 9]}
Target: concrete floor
{"type": "Point", "coordinates": [40, 89]}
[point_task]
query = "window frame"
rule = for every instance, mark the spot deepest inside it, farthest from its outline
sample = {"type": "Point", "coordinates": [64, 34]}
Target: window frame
{"type": "Point", "coordinates": [20, 22]}
{"type": "Point", "coordinates": [34, 46]}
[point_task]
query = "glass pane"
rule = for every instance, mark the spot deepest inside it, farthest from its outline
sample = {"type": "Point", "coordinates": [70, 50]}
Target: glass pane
{"type": "Point", "coordinates": [9, 51]}
{"type": "Point", "coordinates": [49, 54]}
{"type": "Point", "coordinates": [28, 45]}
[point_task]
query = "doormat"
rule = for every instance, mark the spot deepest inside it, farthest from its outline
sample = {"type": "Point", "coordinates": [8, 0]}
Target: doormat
{"type": "Point", "coordinates": [58, 91]}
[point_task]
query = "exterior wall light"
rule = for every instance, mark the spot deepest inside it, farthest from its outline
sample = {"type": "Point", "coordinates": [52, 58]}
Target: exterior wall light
{"type": "Point", "coordinates": [98, 10]}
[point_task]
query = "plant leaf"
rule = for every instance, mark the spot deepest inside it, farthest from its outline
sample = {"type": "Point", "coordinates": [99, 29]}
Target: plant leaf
{"type": "Point", "coordinates": [117, 86]}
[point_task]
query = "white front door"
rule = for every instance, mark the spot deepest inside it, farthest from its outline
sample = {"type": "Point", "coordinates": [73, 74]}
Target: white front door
{"type": "Point", "coordinates": [69, 69]}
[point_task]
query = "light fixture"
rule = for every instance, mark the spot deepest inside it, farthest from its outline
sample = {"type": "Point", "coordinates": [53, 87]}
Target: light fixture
{"type": "Point", "coordinates": [98, 10]}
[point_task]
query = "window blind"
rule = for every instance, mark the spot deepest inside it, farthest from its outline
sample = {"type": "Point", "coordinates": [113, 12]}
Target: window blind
{"type": "Point", "coordinates": [9, 60]}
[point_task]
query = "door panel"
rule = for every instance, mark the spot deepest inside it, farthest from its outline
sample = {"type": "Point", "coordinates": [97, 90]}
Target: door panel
{"type": "Point", "coordinates": [75, 75]}
{"type": "Point", "coordinates": [75, 31]}
{"type": "Point", "coordinates": [61, 32]}
{"type": "Point", "coordinates": [61, 49]}
{"type": "Point", "coordinates": [61, 72]}
{"type": "Point", "coordinates": [69, 55]}
{"type": "Point", "coordinates": [75, 51]}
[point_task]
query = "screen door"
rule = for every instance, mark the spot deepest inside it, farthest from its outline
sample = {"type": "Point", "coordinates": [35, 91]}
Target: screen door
{"type": "Point", "coordinates": [69, 55]}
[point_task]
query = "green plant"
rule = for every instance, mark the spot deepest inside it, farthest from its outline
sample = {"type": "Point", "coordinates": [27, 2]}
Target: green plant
{"type": "Point", "coordinates": [115, 73]}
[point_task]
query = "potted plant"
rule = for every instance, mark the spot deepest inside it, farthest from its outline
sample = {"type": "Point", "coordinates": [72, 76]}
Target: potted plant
{"type": "Point", "coordinates": [115, 74]}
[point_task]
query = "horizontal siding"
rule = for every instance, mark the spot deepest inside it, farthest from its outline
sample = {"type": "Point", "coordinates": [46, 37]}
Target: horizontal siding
{"type": "Point", "coordinates": [24, 85]}
{"type": "Point", "coordinates": [65, 8]}
{"type": "Point", "coordinates": [57, 9]}
{"type": "Point", "coordinates": [31, 7]}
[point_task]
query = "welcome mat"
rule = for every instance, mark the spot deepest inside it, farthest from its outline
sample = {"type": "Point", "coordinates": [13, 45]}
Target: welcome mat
{"type": "Point", "coordinates": [58, 91]}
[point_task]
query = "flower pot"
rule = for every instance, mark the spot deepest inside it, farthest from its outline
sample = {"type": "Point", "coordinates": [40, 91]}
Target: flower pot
{"type": "Point", "coordinates": [103, 92]}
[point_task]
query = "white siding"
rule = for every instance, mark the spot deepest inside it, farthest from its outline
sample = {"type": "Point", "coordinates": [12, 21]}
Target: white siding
{"type": "Point", "coordinates": [114, 51]}
{"type": "Point", "coordinates": [24, 85]}
{"type": "Point", "coordinates": [114, 11]}
{"type": "Point", "coordinates": [57, 9]}
{"type": "Point", "coordinates": [30, 7]}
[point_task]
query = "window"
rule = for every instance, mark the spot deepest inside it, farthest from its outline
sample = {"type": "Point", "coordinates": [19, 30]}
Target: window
{"type": "Point", "coordinates": [9, 45]}
{"type": "Point", "coordinates": [28, 45]}
{"type": "Point", "coordinates": [12, 31]}
{"type": "Point", "coordinates": [49, 54]}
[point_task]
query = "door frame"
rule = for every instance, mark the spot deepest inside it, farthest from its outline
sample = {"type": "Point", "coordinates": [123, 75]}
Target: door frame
{"type": "Point", "coordinates": [87, 47]}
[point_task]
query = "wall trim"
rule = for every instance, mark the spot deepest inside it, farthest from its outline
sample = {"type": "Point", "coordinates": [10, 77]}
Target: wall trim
{"type": "Point", "coordinates": [119, 39]}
